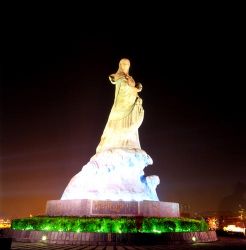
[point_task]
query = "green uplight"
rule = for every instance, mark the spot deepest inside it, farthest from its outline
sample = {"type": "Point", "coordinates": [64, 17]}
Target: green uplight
{"type": "Point", "coordinates": [110, 225]}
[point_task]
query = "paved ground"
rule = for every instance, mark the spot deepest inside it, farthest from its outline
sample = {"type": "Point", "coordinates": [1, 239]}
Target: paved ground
{"type": "Point", "coordinates": [223, 243]}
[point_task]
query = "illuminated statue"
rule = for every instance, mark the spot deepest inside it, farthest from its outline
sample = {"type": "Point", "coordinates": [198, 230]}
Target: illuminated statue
{"type": "Point", "coordinates": [127, 113]}
{"type": "Point", "coordinates": [116, 171]}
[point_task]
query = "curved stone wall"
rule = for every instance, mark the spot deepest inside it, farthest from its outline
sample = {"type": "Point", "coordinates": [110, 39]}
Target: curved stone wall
{"type": "Point", "coordinates": [110, 238]}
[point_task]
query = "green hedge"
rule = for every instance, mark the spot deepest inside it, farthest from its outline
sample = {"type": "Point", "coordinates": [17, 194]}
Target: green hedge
{"type": "Point", "coordinates": [110, 225]}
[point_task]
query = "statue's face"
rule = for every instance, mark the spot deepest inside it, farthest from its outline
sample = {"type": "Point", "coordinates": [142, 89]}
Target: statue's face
{"type": "Point", "coordinates": [125, 65]}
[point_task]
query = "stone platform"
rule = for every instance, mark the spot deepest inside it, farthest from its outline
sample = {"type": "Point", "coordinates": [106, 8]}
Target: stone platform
{"type": "Point", "coordinates": [110, 238]}
{"type": "Point", "coordinates": [92, 208]}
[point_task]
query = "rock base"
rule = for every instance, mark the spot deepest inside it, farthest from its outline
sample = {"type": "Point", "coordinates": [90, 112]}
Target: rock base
{"type": "Point", "coordinates": [114, 174]}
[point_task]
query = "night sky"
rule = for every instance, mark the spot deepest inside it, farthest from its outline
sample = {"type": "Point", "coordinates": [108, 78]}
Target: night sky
{"type": "Point", "coordinates": [56, 98]}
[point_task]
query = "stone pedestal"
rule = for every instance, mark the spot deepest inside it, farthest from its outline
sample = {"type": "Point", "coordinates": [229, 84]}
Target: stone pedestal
{"type": "Point", "coordinates": [92, 208]}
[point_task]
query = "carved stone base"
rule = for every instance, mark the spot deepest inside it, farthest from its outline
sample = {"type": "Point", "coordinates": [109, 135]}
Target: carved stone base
{"type": "Point", "coordinates": [85, 207]}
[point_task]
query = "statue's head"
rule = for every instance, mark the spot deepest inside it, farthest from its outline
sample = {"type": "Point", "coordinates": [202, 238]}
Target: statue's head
{"type": "Point", "coordinates": [124, 65]}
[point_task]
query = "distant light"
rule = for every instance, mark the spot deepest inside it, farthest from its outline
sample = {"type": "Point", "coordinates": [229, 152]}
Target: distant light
{"type": "Point", "coordinates": [30, 215]}
{"type": "Point", "coordinates": [44, 237]}
{"type": "Point", "coordinates": [5, 223]}
{"type": "Point", "coordinates": [193, 238]}
{"type": "Point", "coordinates": [233, 228]}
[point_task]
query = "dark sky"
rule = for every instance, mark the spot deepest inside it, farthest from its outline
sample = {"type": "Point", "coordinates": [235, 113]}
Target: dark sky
{"type": "Point", "coordinates": [56, 97]}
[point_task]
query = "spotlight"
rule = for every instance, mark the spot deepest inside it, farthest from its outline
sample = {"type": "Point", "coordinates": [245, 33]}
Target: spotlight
{"type": "Point", "coordinates": [44, 238]}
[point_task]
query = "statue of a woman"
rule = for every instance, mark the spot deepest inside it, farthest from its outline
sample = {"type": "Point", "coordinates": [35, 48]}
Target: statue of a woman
{"type": "Point", "coordinates": [116, 171]}
{"type": "Point", "coordinates": [126, 116]}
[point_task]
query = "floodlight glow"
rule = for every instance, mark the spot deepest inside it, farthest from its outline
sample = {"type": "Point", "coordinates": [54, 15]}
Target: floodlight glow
{"type": "Point", "coordinates": [44, 238]}
{"type": "Point", "coordinates": [193, 238]}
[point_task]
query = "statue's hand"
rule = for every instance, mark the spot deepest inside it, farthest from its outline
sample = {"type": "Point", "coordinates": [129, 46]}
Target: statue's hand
{"type": "Point", "coordinates": [139, 87]}
{"type": "Point", "coordinates": [112, 78]}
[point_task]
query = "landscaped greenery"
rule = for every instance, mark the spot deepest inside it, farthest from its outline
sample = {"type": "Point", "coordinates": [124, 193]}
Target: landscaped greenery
{"type": "Point", "coordinates": [110, 225]}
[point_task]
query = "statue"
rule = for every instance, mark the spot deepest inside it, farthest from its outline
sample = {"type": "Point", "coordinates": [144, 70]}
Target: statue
{"type": "Point", "coordinates": [116, 171]}
{"type": "Point", "coordinates": [126, 116]}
